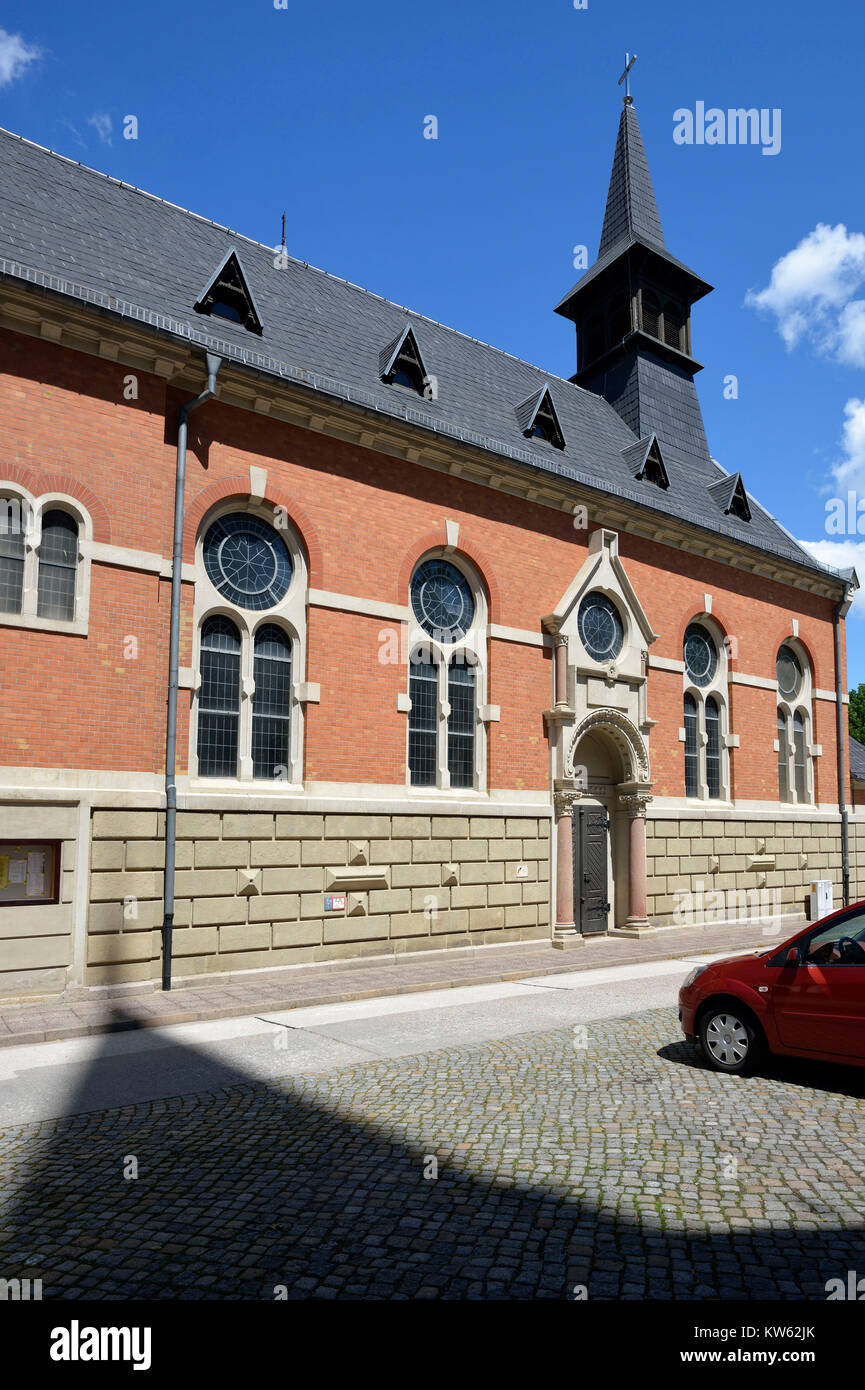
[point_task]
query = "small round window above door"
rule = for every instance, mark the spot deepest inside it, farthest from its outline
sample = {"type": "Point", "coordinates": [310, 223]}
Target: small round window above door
{"type": "Point", "coordinates": [601, 629]}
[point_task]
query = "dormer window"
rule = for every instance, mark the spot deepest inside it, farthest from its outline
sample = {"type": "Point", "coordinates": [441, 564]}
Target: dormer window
{"type": "Point", "coordinates": [401, 364]}
{"type": "Point", "coordinates": [646, 462]}
{"type": "Point", "coordinates": [538, 419]}
{"type": "Point", "coordinates": [228, 296]}
{"type": "Point", "coordinates": [729, 494]}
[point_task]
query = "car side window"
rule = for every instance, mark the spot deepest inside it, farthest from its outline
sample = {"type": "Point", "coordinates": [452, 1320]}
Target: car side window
{"type": "Point", "coordinates": [841, 942]}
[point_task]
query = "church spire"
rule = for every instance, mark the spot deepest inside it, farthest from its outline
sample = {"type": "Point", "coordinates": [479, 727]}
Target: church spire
{"type": "Point", "coordinates": [632, 310]}
{"type": "Point", "coordinates": [631, 208]}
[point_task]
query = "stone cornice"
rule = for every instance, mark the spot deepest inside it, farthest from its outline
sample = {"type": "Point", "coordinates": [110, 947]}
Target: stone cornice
{"type": "Point", "coordinates": [41, 313]}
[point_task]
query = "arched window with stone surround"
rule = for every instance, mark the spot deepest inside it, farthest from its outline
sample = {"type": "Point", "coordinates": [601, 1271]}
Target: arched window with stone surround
{"type": "Point", "coordinates": [58, 562]}
{"type": "Point", "coordinates": [692, 759]}
{"type": "Point", "coordinates": [705, 732]}
{"type": "Point", "coordinates": [795, 721]}
{"type": "Point", "coordinates": [447, 675]}
{"type": "Point", "coordinates": [219, 698]}
{"type": "Point", "coordinates": [45, 561]}
{"type": "Point", "coordinates": [250, 599]}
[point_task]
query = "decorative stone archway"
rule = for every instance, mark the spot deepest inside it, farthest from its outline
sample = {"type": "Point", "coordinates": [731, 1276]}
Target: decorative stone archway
{"type": "Point", "coordinates": [632, 795]}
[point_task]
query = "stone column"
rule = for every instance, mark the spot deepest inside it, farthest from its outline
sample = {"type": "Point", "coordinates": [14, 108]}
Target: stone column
{"type": "Point", "coordinates": [635, 805]}
{"type": "Point", "coordinates": [565, 934]}
{"type": "Point", "coordinates": [561, 659]}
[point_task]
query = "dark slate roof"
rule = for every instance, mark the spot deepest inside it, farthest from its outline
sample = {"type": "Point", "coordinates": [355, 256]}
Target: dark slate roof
{"type": "Point", "coordinates": [82, 235]}
{"type": "Point", "coordinates": [631, 207]}
{"type": "Point", "coordinates": [857, 759]}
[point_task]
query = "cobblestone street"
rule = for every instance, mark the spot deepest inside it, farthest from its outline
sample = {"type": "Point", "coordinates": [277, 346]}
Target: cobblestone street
{"type": "Point", "coordinates": [622, 1165]}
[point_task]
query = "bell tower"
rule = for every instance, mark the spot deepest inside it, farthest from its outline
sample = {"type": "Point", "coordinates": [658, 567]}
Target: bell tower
{"type": "Point", "coordinates": [632, 310]}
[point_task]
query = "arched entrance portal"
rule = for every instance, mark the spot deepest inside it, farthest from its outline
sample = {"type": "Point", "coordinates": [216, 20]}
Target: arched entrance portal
{"type": "Point", "coordinates": [601, 831]}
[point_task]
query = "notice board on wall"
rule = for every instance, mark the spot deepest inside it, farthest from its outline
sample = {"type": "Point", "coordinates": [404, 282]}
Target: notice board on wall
{"type": "Point", "coordinates": [29, 872]}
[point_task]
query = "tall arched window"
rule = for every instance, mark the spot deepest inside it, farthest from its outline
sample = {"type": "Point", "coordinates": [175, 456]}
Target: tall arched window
{"type": "Point", "coordinates": [705, 732]}
{"type": "Point", "coordinates": [423, 724]}
{"type": "Point", "coordinates": [271, 705]}
{"type": "Point", "coordinates": [713, 747]}
{"type": "Point", "coordinates": [800, 759]}
{"type": "Point", "coordinates": [58, 560]}
{"type": "Point", "coordinates": [783, 759]}
{"type": "Point", "coordinates": [251, 568]}
{"type": "Point", "coordinates": [447, 676]}
{"type": "Point", "coordinates": [11, 556]}
{"type": "Point", "coordinates": [691, 752]}
{"type": "Point", "coordinates": [795, 693]}
{"type": "Point", "coordinates": [219, 699]}
{"type": "Point", "coordinates": [461, 723]}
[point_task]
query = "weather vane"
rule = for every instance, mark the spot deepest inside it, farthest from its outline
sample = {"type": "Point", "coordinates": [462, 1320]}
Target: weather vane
{"type": "Point", "coordinates": [626, 75]}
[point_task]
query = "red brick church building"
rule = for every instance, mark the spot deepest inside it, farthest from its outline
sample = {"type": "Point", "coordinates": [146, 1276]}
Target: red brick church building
{"type": "Point", "coordinates": [329, 631]}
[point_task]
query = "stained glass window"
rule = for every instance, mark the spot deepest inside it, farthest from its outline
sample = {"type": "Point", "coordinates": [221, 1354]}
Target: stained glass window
{"type": "Point", "coordinates": [271, 705]}
{"type": "Point", "coordinates": [442, 600]}
{"type": "Point", "coordinates": [713, 747]}
{"type": "Point", "coordinates": [700, 654]}
{"type": "Point", "coordinates": [601, 628]}
{"type": "Point", "coordinates": [691, 757]}
{"type": "Point", "coordinates": [423, 724]}
{"type": "Point", "coordinates": [58, 560]}
{"type": "Point", "coordinates": [219, 699]}
{"type": "Point", "coordinates": [789, 673]}
{"type": "Point", "coordinates": [461, 724]}
{"type": "Point", "coordinates": [247, 561]}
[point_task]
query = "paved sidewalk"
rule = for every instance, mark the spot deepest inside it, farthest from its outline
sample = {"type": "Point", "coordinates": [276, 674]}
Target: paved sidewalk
{"type": "Point", "coordinates": [80, 1015]}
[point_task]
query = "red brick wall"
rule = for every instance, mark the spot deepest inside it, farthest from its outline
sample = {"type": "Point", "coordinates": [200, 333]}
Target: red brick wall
{"type": "Point", "coordinates": [362, 517]}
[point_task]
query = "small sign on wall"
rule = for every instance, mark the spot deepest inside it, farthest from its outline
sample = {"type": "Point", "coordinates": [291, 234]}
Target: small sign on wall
{"type": "Point", "coordinates": [334, 902]}
{"type": "Point", "coordinates": [521, 871]}
{"type": "Point", "coordinates": [29, 872]}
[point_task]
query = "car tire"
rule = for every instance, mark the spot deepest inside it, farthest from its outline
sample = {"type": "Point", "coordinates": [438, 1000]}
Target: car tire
{"type": "Point", "coordinates": [729, 1039]}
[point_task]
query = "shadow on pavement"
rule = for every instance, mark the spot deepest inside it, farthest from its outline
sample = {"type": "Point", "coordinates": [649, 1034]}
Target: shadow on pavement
{"type": "Point", "coordinates": [316, 1186]}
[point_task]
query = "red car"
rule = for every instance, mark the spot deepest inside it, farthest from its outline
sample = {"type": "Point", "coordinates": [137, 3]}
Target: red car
{"type": "Point", "coordinates": [803, 999]}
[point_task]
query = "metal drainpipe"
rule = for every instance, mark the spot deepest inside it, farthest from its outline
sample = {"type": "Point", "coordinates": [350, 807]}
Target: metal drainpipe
{"type": "Point", "coordinates": [213, 365]}
{"type": "Point", "coordinates": [839, 734]}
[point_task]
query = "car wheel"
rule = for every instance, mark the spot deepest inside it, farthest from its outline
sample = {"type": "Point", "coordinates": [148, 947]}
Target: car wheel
{"type": "Point", "coordinates": [729, 1040]}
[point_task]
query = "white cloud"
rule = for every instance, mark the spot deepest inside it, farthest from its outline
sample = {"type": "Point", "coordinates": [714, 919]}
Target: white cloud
{"type": "Point", "coordinates": [811, 291]}
{"type": "Point", "coordinates": [102, 124]}
{"type": "Point", "coordinates": [849, 472]}
{"type": "Point", "coordinates": [15, 56]}
{"type": "Point", "coordinates": [841, 555]}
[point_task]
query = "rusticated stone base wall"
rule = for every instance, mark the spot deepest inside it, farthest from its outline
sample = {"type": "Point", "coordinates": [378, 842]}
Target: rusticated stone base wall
{"type": "Point", "coordinates": [251, 887]}
{"type": "Point", "coordinates": [770, 862]}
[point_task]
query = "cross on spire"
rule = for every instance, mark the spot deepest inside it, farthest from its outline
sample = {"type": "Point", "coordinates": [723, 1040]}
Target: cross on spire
{"type": "Point", "coordinates": [626, 77]}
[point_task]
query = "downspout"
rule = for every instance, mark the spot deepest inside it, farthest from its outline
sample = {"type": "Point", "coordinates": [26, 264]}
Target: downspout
{"type": "Point", "coordinates": [213, 365]}
{"type": "Point", "coordinates": [839, 738]}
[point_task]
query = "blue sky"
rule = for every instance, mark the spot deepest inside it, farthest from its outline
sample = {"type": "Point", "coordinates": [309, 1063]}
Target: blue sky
{"type": "Point", "coordinates": [245, 110]}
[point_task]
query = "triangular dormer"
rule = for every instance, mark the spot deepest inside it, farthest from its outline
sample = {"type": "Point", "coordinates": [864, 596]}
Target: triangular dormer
{"type": "Point", "coordinates": [227, 296]}
{"type": "Point", "coordinates": [537, 418]}
{"type": "Point", "coordinates": [401, 363]}
{"type": "Point", "coordinates": [729, 494]}
{"type": "Point", "coordinates": [647, 462]}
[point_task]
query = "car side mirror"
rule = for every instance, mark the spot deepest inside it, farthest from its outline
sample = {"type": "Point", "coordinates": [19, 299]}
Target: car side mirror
{"type": "Point", "coordinates": [792, 957]}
